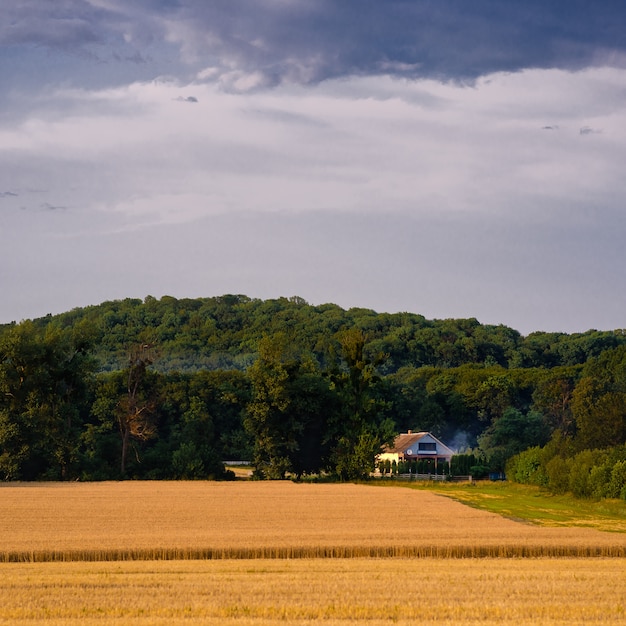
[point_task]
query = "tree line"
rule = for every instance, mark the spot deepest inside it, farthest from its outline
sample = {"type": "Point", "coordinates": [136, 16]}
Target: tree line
{"type": "Point", "coordinates": [589, 459]}
{"type": "Point", "coordinates": [223, 333]}
{"type": "Point", "coordinates": [169, 389]}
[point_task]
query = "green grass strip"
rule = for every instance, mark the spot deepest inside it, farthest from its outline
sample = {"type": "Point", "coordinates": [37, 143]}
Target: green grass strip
{"type": "Point", "coordinates": [530, 504]}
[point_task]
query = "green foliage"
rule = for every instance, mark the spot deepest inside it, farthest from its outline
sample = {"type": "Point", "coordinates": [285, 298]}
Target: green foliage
{"type": "Point", "coordinates": [511, 434]}
{"type": "Point", "coordinates": [302, 389]}
{"type": "Point", "coordinates": [187, 463]}
{"type": "Point", "coordinates": [479, 471]}
{"type": "Point", "coordinates": [526, 468]}
{"type": "Point", "coordinates": [599, 402]}
{"type": "Point", "coordinates": [617, 484]}
{"type": "Point", "coordinates": [558, 472]}
{"type": "Point", "coordinates": [461, 464]}
{"type": "Point", "coordinates": [493, 396]}
{"type": "Point", "coordinates": [357, 427]}
{"type": "Point", "coordinates": [224, 333]}
{"type": "Point", "coordinates": [580, 473]}
{"type": "Point", "coordinates": [354, 460]}
{"type": "Point", "coordinates": [44, 379]}
{"type": "Point", "coordinates": [552, 397]}
{"type": "Point", "coordinates": [288, 410]}
{"type": "Point", "coordinates": [557, 466]}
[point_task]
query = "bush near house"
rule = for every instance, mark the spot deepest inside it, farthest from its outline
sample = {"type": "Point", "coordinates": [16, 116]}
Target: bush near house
{"type": "Point", "coordinates": [586, 474]}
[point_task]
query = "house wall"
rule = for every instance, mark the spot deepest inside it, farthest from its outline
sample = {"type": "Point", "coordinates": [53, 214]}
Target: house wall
{"type": "Point", "coordinates": [412, 452]}
{"type": "Point", "coordinates": [415, 451]}
{"type": "Point", "coordinates": [389, 456]}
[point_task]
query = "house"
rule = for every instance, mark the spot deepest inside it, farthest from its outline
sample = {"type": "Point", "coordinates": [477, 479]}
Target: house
{"type": "Point", "coordinates": [412, 446]}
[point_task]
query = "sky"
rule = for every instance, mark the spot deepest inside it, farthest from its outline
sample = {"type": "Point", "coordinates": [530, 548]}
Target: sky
{"type": "Point", "coordinates": [449, 158]}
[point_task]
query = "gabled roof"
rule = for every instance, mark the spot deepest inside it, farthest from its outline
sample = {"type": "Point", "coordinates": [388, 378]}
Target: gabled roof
{"type": "Point", "coordinates": [405, 441]}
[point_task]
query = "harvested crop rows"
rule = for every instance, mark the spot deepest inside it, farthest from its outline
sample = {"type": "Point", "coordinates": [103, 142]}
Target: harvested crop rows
{"type": "Point", "coordinates": [204, 520]}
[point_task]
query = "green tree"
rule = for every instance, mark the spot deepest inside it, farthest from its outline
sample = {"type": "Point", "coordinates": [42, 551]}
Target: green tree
{"type": "Point", "coordinates": [359, 429]}
{"type": "Point", "coordinates": [196, 454]}
{"type": "Point", "coordinates": [511, 434]}
{"type": "Point", "coordinates": [225, 394]}
{"type": "Point", "coordinates": [285, 415]}
{"type": "Point", "coordinates": [552, 397]}
{"type": "Point", "coordinates": [493, 396]}
{"type": "Point", "coordinates": [599, 403]}
{"type": "Point", "coordinates": [44, 380]}
{"type": "Point", "coordinates": [526, 467]}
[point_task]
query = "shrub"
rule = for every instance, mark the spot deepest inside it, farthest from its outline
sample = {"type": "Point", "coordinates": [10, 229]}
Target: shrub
{"type": "Point", "coordinates": [580, 473]}
{"type": "Point", "coordinates": [600, 477]}
{"type": "Point", "coordinates": [617, 482]}
{"type": "Point", "coordinates": [460, 464]}
{"type": "Point", "coordinates": [479, 471]}
{"type": "Point", "coordinates": [557, 471]}
{"type": "Point", "coordinates": [526, 468]}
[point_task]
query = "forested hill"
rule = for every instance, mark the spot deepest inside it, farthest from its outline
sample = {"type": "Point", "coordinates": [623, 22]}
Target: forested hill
{"type": "Point", "coordinates": [169, 388]}
{"type": "Point", "coordinates": [223, 332]}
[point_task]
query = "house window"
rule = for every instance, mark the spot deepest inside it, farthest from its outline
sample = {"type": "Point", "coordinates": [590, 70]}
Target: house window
{"type": "Point", "coordinates": [427, 447]}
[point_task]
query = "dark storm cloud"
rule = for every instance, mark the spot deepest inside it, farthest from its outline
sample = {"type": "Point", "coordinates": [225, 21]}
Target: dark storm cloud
{"type": "Point", "coordinates": [64, 24]}
{"type": "Point", "coordinates": [100, 30]}
{"type": "Point", "coordinates": [311, 41]}
{"type": "Point", "coordinates": [307, 42]}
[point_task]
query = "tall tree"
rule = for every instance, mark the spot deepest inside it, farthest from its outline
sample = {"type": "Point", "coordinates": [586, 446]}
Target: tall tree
{"type": "Point", "coordinates": [599, 401]}
{"type": "Point", "coordinates": [493, 396]}
{"type": "Point", "coordinates": [286, 413]}
{"type": "Point", "coordinates": [136, 408]}
{"type": "Point", "coordinates": [552, 396]}
{"type": "Point", "coordinates": [359, 431]}
{"type": "Point", "coordinates": [511, 434]}
{"type": "Point", "coordinates": [44, 376]}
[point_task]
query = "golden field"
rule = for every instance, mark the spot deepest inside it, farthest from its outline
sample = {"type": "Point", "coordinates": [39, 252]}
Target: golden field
{"type": "Point", "coordinates": [250, 554]}
{"type": "Point", "coordinates": [330, 591]}
{"type": "Point", "coordinates": [178, 520]}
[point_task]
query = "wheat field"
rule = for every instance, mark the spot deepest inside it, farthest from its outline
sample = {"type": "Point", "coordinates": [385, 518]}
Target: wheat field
{"type": "Point", "coordinates": [375, 592]}
{"type": "Point", "coordinates": [254, 554]}
{"type": "Point", "coordinates": [202, 520]}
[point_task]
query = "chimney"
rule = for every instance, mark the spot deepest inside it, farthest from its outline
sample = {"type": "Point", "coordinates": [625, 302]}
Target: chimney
{"type": "Point", "coordinates": [409, 432]}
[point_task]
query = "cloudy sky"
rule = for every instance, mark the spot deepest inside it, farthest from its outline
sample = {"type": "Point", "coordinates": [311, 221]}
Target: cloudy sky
{"type": "Point", "coordinates": [444, 157]}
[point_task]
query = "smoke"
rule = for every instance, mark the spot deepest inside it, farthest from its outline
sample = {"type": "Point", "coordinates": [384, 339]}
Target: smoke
{"type": "Point", "coordinates": [460, 442]}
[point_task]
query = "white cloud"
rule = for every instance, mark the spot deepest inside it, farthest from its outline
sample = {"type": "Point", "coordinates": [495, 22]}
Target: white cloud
{"type": "Point", "coordinates": [408, 146]}
{"type": "Point", "coordinates": [442, 199]}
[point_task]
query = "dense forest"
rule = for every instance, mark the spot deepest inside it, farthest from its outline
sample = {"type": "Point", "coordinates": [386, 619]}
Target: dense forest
{"type": "Point", "coordinates": [167, 388]}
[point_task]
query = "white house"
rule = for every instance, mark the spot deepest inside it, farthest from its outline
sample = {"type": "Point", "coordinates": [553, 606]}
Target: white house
{"type": "Point", "coordinates": [412, 446]}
